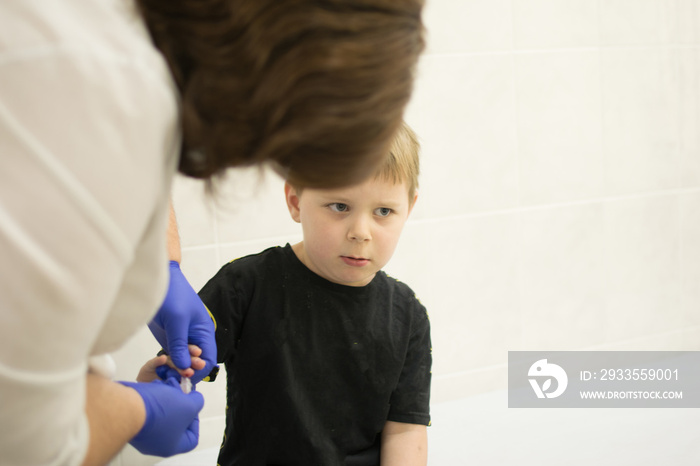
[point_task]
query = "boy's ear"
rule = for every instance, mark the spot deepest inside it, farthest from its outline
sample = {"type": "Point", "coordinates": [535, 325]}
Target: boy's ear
{"type": "Point", "coordinates": [413, 203]}
{"type": "Point", "coordinates": [292, 196]}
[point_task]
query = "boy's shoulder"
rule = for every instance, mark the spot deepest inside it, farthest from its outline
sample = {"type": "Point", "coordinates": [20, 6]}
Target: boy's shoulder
{"type": "Point", "coordinates": [246, 270]}
{"type": "Point", "coordinates": [273, 254]}
{"type": "Point", "coordinates": [396, 285]}
{"type": "Point", "coordinates": [403, 295]}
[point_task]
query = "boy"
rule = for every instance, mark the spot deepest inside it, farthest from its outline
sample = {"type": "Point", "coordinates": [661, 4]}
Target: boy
{"type": "Point", "coordinates": [328, 359]}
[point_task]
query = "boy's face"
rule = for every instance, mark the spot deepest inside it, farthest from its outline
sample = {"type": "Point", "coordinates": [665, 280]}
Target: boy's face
{"type": "Point", "coordinates": [349, 233]}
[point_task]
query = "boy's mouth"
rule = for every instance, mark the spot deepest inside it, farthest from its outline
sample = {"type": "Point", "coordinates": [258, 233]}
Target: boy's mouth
{"type": "Point", "coordinates": [355, 261]}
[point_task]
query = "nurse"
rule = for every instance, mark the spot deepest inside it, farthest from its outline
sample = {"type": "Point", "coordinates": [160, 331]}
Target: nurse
{"type": "Point", "coordinates": [101, 102]}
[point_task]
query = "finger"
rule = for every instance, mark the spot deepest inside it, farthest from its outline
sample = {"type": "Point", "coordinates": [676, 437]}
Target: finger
{"type": "Point", "coordinates": [151, 364]}
{"type": "Point", "coordinates": [149, 371]}
{"type": "Point", "coordinates": [207, 344]}
{"type": "Point", "coordinates": [198, 364]}
{"type": "Point", "coordinates": [189, 372]}
{"type": "Point", "coordinates": [164, 372]}
{"type": "Point", "coordinates": [194, 350]}
{"type": "Point", "coordinates": [176, 329]}
{"type": "Point", "coordinates": [196, 398]}
{"type": "Point", "coordinates": [190, 438]}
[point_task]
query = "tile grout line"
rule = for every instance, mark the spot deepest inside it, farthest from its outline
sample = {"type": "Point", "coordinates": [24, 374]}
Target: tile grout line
{"type": "Point", "coordinates": [534, 51]}
{"type": "Point", "coordinates": [540, 207]}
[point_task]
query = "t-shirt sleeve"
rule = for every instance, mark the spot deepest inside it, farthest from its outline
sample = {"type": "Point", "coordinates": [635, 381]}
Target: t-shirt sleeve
{"type": "Point", "coordinates": [226, 302]}
{"type": "Point", "coordinates": [410, 401]}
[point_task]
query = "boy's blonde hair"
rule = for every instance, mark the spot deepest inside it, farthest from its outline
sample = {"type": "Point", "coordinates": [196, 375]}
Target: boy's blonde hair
{"type": "Point", "coordinates": [402, 163]}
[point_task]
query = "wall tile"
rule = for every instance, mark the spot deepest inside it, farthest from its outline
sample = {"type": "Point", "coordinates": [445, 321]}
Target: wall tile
{"type": "Point", "coordinates": [411, 262]}
{"type": "Point", "coordinates": [555, 23]}
{"type": "Point", "coordinates": [631, 22]}
{"type": "Point", "coordinates": [690, 258]}
{"type": "Point", "coordinates": [467, 25]}
{"type": "Point", "coordinates": [464, 115]}
{"type": "Point", "coordinates": [199, 265]}
{"type": "Point", "coordinates": [689, 136]}
{"type": "Point", "coordinates": [460, 385]}
{"type": "Point", "coordinates": [640, 119]}
{"type": "Point", "coordinates": [562, 273]}
{"type": "Point", "coordinates": [691, 339]}
{"type": "Point", "coordinates": [211, 433]}
{"type": "Point", "coordinates": [559, 126]}
{"type": "Point", "coordinates": [214, 405]}
{"type": "Point", "coordinates": [194, 210]}
{"type": "Point", "coordinates": [251, 205]}
{"type": "Point", "coordinates": [642, 252]}
{"type": "Point", "coordinates": [686, 21]}
{"type": "Point", "coordinates": [668, 341]}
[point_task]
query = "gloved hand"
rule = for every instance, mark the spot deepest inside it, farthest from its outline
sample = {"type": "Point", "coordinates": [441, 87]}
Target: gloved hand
{"type": "Point", "coordinates": [172, 421]}
{"type": "Point", "coordinates": [164, 371]}
{"type": "Point", "coordinates": [183, 319]}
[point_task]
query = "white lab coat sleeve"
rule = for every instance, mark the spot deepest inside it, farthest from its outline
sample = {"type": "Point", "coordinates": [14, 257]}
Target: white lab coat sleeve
{"type": "Point", "coordinates": [87, 139]}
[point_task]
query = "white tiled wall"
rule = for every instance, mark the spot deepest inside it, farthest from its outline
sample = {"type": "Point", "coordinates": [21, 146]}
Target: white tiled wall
{"type": "Point", "coordinates": [560, 195]}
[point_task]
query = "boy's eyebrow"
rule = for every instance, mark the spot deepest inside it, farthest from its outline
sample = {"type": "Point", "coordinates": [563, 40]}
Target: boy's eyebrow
{"type": "Point", "coordinates": [344, 199]}
{"type": "Point", "coordinates": [348, 200]}
{"type": "Point", "coordinates": [392, 205]}
{"type": "Point", "coordinates": [335, 198]}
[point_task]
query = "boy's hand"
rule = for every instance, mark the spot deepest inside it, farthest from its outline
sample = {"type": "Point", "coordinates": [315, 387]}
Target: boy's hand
{"type": "Point", "coordinates": [148, 371]}
{"type": "Point", "coordinates": [162, 367]}
{"type": "Point", "coordinates": [183, 319]}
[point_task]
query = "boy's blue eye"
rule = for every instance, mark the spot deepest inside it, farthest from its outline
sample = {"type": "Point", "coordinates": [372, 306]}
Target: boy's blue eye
{"type": "Point", "coordinates": [383, 211]}
{"type": "Point", "coordinates": [338, 207]}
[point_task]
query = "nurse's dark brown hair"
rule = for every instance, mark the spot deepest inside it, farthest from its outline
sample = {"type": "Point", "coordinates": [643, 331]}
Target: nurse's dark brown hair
{"type": "Point", "coordinates": [316, 88]}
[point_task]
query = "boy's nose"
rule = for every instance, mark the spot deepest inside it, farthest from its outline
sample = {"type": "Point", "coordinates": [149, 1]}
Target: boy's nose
{"type": "Point", "coordinates": [359, 230]}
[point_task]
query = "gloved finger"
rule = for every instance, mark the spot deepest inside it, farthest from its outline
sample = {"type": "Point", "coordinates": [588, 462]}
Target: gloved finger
{"type": "Point", "coordinates": [166, 372]}
{"type": "Point", "coordinates": [204, 337]}
{"type": "Point", "coordinates": [176, 330]}
{"type": "Point", "coordinates": [194, 398]}
{"type": "Point", "coordinates": [208, 357]}
{"type": "Point", "coordinates": [196, 363]}
{"type": "Point", "coordinates": [190, 438]}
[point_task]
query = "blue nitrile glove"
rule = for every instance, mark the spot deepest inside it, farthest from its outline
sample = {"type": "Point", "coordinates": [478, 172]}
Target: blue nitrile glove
{"type": "Point", "coordinates": [183, 319]}
{"type": "Point", "coordinates": [166, 372]}
{"type": "Point", "coordinates": [172, 421]}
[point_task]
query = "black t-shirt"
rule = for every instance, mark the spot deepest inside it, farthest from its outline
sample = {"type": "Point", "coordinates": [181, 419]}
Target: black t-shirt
{"type": "Point", "coordinates": [314, 368]}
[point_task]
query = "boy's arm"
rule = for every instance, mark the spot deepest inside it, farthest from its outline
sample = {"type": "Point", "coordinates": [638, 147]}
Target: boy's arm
{"type": "Point", "coordinates": [404, 444]}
